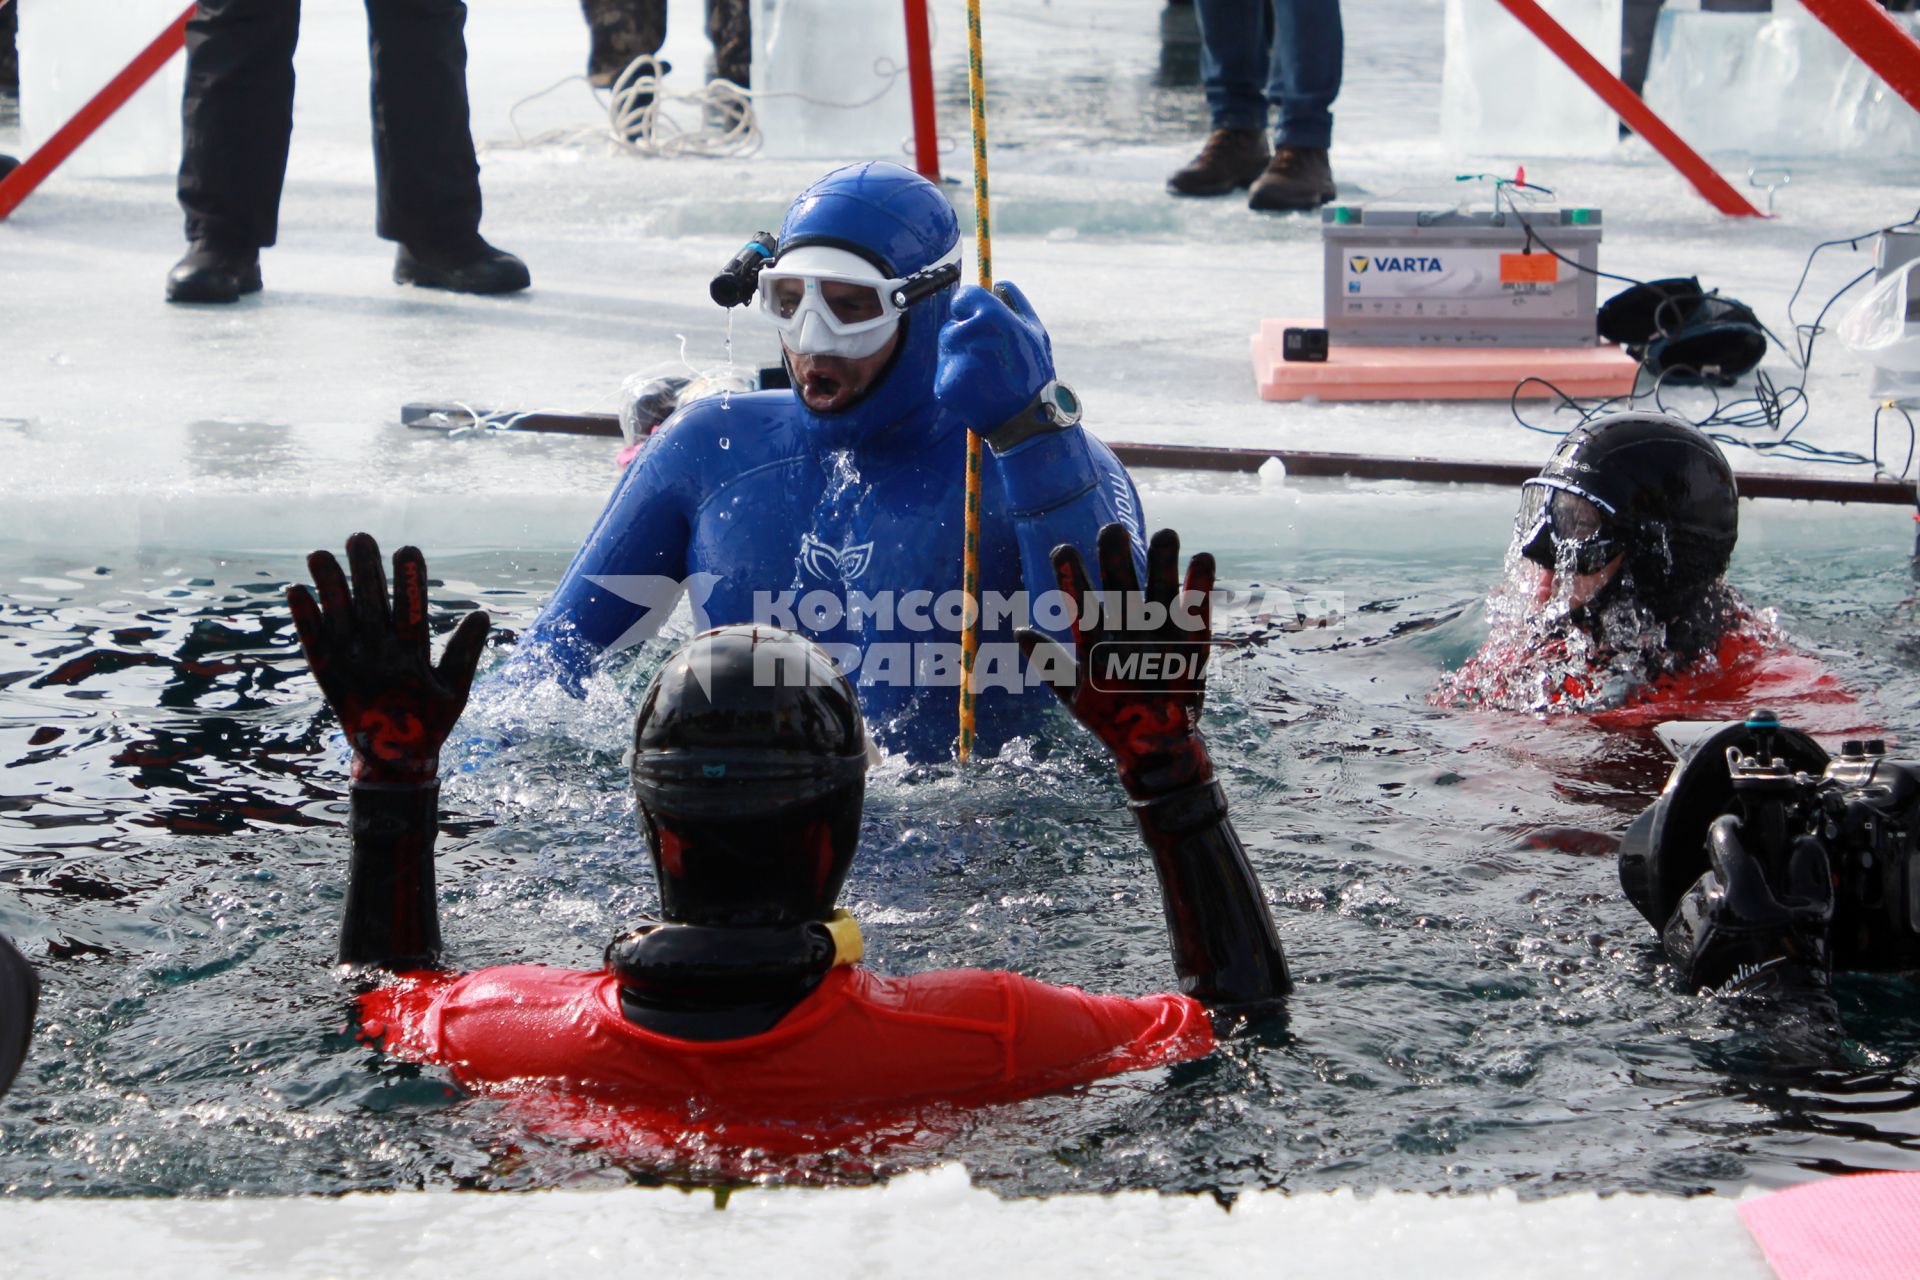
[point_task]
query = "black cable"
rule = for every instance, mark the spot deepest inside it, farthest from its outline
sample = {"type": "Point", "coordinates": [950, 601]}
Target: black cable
{"type": "Point", "coordinates": [1768, 408]}
{"type": "Point", "coordinates": [1501, 192]}
{"type": "Point", "coordinates": [1804, 350]}
{"type": "Point", "coordinates": [1908, 417]}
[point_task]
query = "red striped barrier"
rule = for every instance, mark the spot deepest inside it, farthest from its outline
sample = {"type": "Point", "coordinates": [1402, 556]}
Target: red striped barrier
{"type": "Point", "coordinates": [926, 136]}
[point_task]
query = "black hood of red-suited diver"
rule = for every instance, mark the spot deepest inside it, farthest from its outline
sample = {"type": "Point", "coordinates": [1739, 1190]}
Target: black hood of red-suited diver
{"type": "Point", "coordinates": [1668, 502]}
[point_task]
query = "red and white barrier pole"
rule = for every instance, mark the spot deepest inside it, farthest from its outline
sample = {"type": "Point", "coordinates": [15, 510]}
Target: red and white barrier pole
{"type": "Point", "coordinates": [926, 136]}
{"type": "Point", "coordinates": [1876, 39]}
{"type": "Point", "coordinates": [1628, 106]}
{"type": "Point", "coordinates": [19, 184]}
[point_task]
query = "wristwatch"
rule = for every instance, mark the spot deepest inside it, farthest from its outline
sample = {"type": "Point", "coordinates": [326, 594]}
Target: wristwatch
{"type": "Point", "coordinates": [1055, 409]}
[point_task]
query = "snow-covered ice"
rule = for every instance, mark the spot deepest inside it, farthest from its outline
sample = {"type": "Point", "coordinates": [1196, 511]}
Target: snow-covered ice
{"type": "Point", "coordinates": [908, 1227]}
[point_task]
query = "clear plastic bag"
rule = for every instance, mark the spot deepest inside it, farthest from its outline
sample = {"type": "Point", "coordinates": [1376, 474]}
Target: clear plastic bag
{"type": "Point", "coordinates": [1877, 326]}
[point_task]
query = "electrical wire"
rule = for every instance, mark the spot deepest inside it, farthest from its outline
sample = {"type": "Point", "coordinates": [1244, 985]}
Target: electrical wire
{"type": "Point", "coordinates": [1773, 408]}
{"type": "Point", "coordinates": [1804, 335]}
{"type": "Point", "coordinates": [1503, 191]}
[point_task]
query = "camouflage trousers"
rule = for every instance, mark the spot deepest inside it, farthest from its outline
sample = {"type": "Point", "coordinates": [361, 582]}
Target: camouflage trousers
{"type": "Point", "coordinates": [625, 29]}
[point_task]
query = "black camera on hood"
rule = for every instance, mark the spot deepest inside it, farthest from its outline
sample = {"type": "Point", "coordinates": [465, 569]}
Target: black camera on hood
{"type": "Point", "coordinates": [1763, 850]}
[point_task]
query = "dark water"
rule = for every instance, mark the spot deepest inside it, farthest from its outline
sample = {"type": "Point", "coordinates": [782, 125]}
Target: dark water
{"type": "Point", "coordinates": [1478, 1006]}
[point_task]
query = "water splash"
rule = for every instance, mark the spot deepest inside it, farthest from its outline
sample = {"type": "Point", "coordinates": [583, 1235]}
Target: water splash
{"type": "Point", "coordinates": [1551, 650]}
{"type": "Point", "coordinates": [824, 552]}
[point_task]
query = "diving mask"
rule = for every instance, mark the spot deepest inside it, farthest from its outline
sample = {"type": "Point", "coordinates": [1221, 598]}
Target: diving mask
{"type": "Point", "coordinates": [830, 302]}
{"type": "Point", "coordinates": [1559, 527]}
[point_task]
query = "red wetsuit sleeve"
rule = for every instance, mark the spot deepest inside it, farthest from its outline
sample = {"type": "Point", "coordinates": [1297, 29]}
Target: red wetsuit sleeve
{"type": "Point", "coordinates": [1063, 1035]}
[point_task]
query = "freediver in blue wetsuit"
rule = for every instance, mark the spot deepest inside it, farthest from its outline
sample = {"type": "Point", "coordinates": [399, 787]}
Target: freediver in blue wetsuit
{"type": "Point", "coordinates": [836, 508]}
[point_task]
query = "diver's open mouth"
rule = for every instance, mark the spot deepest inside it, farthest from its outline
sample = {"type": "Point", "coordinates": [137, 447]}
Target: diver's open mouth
{"type": "Point", "coordinates": [818, 385]}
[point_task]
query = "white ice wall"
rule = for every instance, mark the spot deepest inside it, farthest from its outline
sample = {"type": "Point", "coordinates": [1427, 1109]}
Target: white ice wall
{"type": "Point", "coordinates": [1774, 85]}
{"type": "Point", "coordinates": [1504, 93]}
{"type": "Point", "coordinates": [69, 50]}
{"type": "Point", "coordinates": [830, 79]}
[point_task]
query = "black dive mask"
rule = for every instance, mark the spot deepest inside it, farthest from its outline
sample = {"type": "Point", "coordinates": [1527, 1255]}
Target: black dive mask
{"type": "Point", "coordinates": [1560, 527]}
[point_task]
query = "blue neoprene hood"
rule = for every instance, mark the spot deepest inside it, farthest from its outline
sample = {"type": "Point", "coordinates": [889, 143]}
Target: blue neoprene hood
{"type": "Point", "coordinates": [901, 223]}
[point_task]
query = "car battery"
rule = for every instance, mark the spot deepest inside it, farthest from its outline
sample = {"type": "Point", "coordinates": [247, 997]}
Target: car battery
{"type": "Point", "coordinates": [1463, 278]}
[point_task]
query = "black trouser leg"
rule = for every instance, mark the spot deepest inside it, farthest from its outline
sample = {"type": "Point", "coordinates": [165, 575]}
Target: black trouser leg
{"type": "Point", "coordinates": [9, 57]}
{"type": "Point", "coordinates": [422, 144]}
{"type": "Point", "coordinates": [237, 118]}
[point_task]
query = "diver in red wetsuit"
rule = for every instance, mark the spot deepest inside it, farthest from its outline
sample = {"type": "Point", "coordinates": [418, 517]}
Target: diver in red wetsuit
{"type": "Point", "coordinates": [1632, 523]}
{"type": "Point", "coordinates": [750, 760]}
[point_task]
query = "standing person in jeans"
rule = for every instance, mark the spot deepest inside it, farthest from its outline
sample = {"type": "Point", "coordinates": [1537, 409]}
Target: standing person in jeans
{"type": "Point", "coordinates": [1255, 54]}
{"type": "Point", "coordinates": [238, 120]}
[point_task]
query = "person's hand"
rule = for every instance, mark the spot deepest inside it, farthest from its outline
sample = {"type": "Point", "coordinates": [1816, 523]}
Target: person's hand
{"type": "Point", "coordinates": [1733, 930]}
{"type": "Point", "coordinates": [372, 660]}
{"type": "Point", "coordinates": [995, 357]}
{"type": "Point", "coordinates": [1140, 678]}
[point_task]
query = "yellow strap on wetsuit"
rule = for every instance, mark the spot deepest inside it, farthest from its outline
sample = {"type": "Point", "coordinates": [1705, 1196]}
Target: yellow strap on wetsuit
{"type": "Point", "coordinates": [848, 946]}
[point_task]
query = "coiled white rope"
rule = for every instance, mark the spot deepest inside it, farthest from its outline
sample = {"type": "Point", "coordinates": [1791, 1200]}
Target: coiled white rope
{"type": "Point", "coordinates": [638, 120]}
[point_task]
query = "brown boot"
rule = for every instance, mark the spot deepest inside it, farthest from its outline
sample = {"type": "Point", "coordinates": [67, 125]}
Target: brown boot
{"type": "Point", "coordinates": [1298, 178]}
{"type": "Point", "coordinates": [1231, 158]}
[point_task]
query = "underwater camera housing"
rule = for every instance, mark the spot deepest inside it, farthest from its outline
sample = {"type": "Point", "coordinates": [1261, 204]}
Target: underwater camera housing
{"type": "Point", "coordinates": [1862, 809]}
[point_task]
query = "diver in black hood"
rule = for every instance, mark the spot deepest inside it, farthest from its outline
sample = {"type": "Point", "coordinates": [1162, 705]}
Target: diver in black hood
{"type": "Point", "coordinates": [1646, 505]}
{"type": "Point", "coordinates": [1633, 519]}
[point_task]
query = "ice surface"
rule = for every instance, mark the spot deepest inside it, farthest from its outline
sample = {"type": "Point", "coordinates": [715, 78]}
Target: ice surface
{"type": "Point", "coordinates": [931, 1224]}
{"type": "Point", "coordinates": [1774, 85]}
{"type": "Point", "coordinates": [829, 80]}
{"type": "Point", "coordinates": [104, 380]}
{"type": "Point", "coordinates": [1504, 93]}
{"type": "Point", "coordinates": [105, 390]}
{"type": "Point", "coordinates": [68, 52]}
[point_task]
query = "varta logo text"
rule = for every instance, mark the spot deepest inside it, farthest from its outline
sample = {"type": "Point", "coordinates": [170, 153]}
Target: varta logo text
{"type": "Point", "coordinates": [1407, 264]}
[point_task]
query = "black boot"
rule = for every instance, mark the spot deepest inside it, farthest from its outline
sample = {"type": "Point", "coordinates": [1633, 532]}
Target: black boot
{"type": "Point", "coordinates": [476, 267]}
{"type": "Point", "coordinates": [214, 272]}
{"type": "Point", "coordinates": [1231, 158]}
{"type": "Point", "coordinates": [1298, 178]}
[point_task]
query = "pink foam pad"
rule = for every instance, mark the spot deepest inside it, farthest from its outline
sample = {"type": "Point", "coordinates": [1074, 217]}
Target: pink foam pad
{"type": "Point", "coordinates": [1434, 373]}
{"type": "Point", "coordinates": [1864, 1227]}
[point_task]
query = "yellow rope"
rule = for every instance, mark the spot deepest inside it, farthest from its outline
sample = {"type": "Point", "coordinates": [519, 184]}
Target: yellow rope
{"type": "Point", "coordinates": [970, 573]}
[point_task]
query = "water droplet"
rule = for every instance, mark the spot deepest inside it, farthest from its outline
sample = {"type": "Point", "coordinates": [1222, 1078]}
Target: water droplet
{"type": "Point", "coordinates": [725, 443]}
